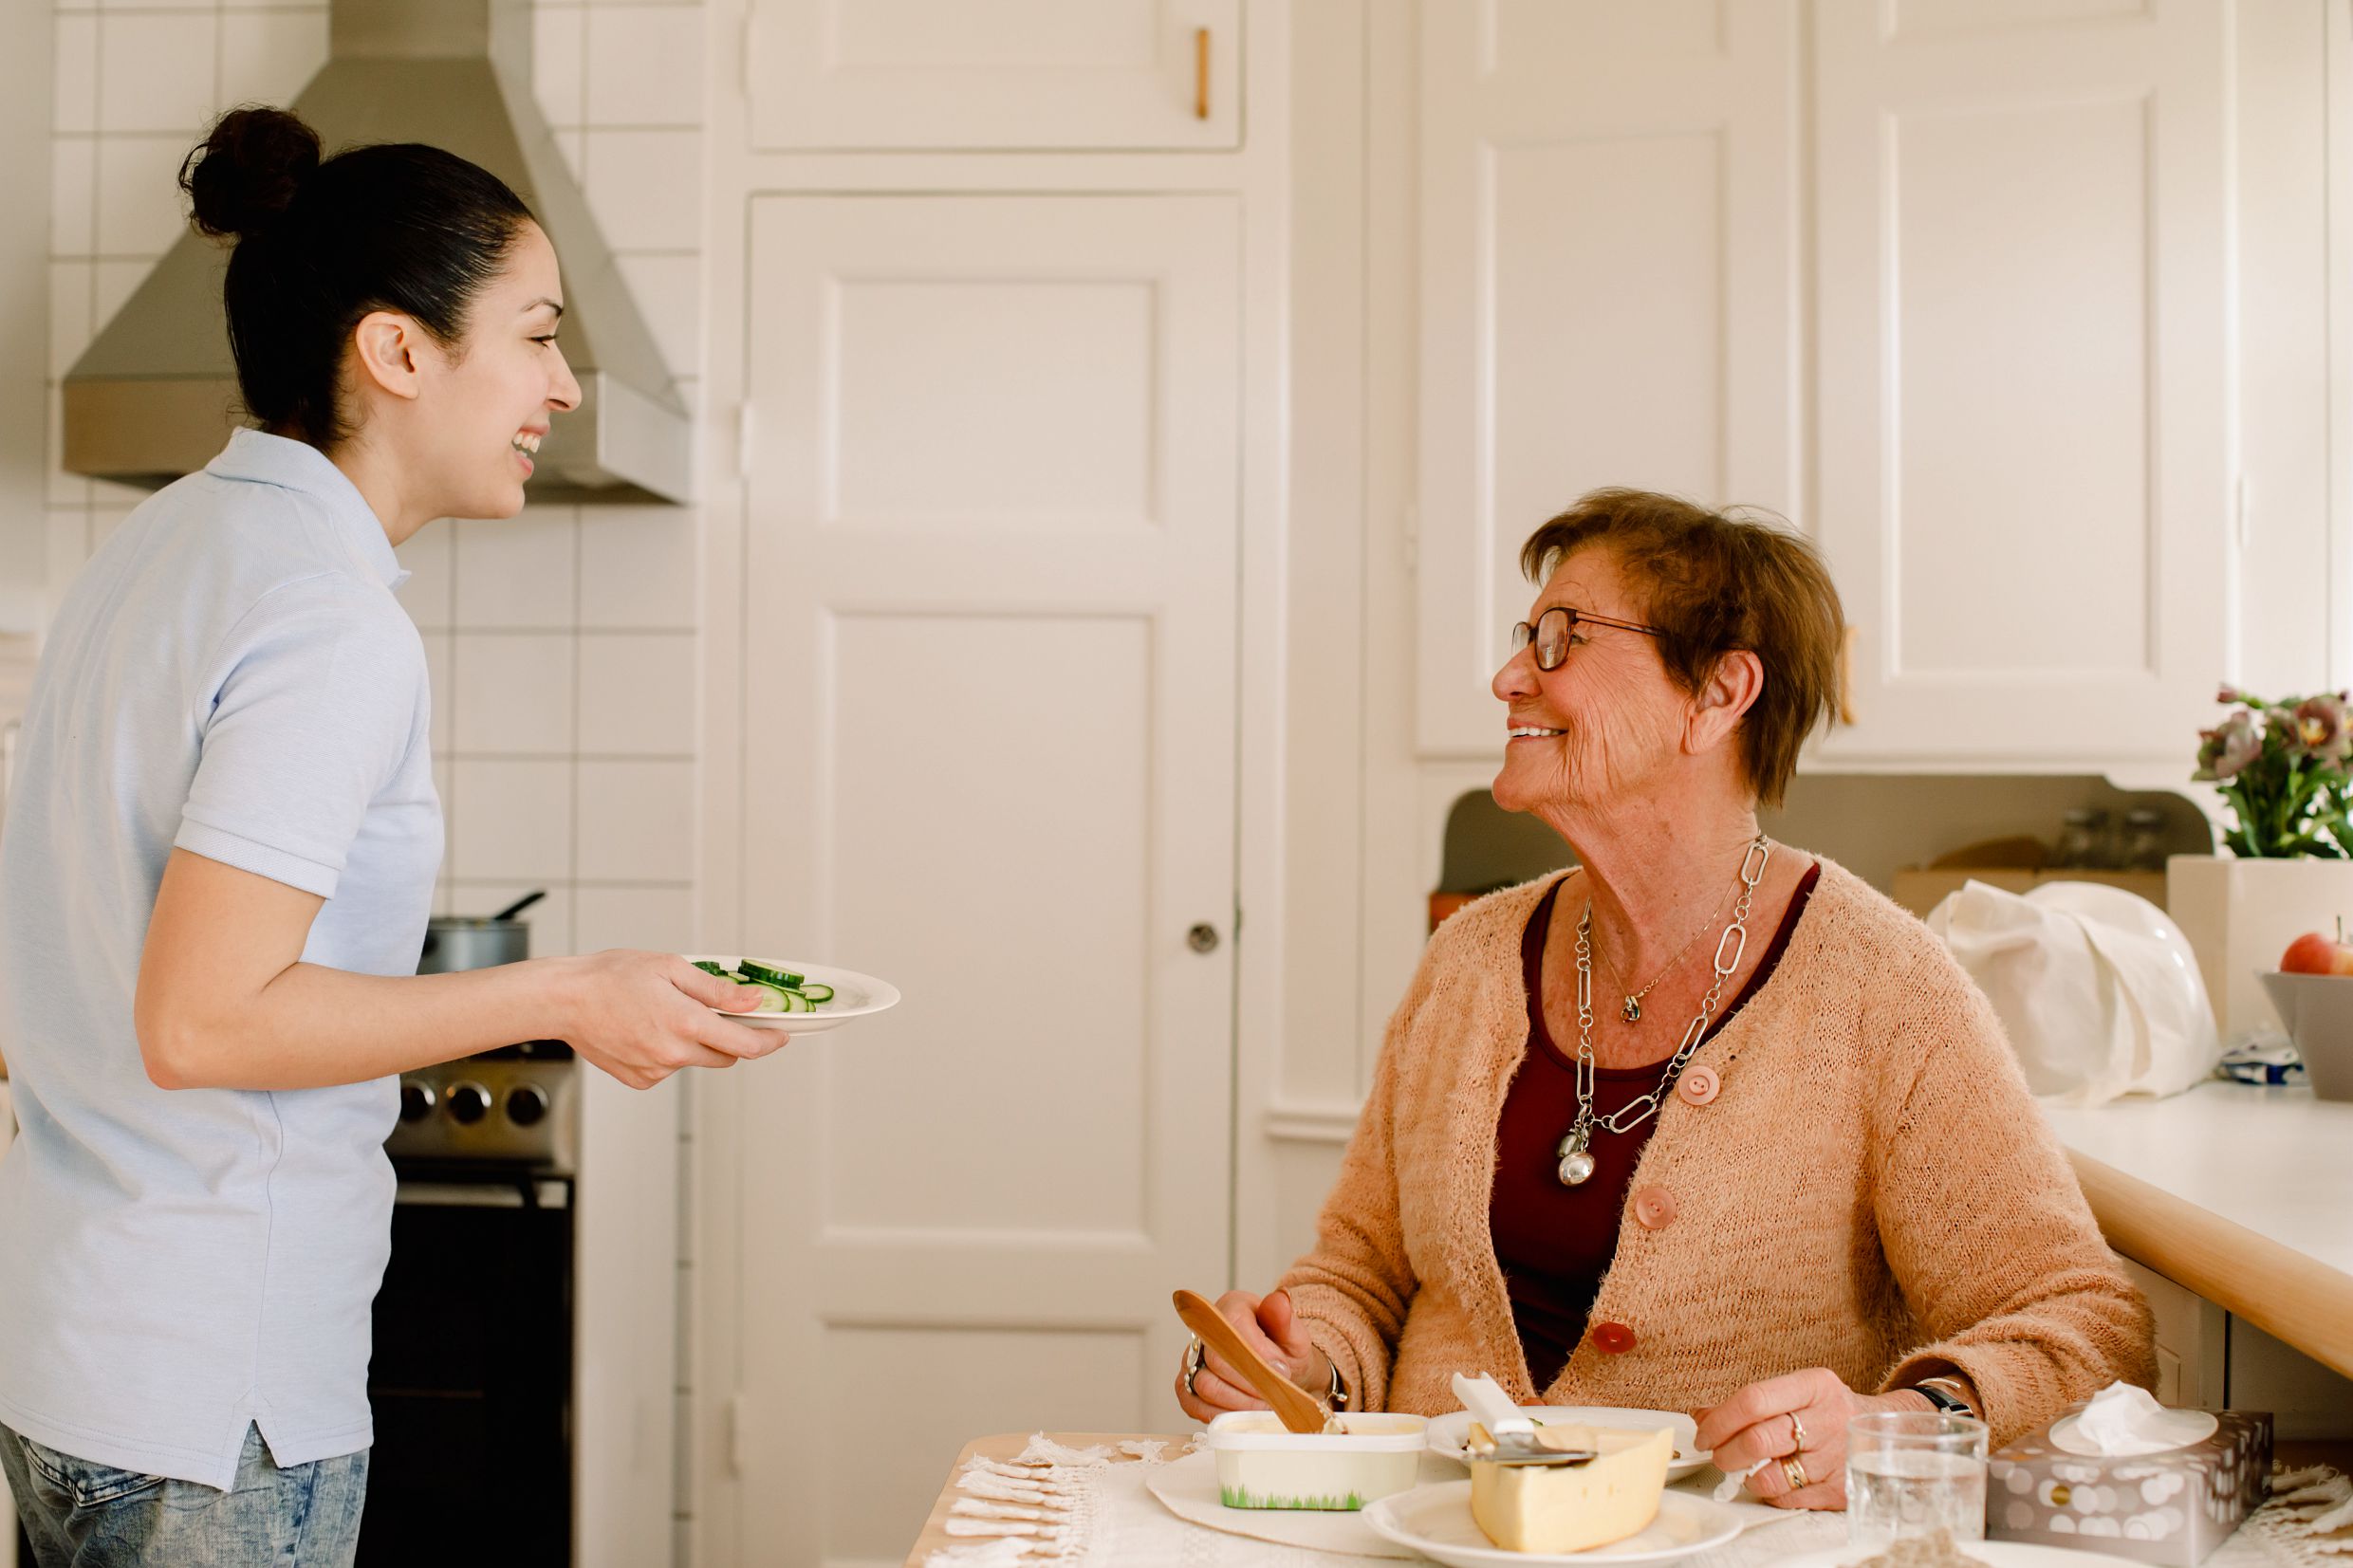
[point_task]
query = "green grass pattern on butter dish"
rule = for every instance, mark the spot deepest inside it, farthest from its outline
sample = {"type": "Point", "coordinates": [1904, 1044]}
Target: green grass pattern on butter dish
{"type": "Point", "coordinates": [1235, 1497]}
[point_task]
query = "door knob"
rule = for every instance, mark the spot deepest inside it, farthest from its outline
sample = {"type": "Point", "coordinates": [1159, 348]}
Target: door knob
{"type": "Point", "coordinates": [1202, 938]}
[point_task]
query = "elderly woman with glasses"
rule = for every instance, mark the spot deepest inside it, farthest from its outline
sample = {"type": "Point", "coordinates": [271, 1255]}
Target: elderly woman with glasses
{"type": "Point", "coordinates": [1704, 1123]}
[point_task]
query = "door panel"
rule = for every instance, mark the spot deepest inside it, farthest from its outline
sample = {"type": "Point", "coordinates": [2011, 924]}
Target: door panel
{"type": "Point", "coordinates": [990, 594]}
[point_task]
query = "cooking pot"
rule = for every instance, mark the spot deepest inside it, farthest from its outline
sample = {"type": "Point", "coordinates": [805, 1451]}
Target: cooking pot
{"type": "Point", "coordinates": [477, 942]}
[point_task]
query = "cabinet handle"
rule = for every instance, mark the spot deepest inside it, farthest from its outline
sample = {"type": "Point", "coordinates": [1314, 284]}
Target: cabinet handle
{"type": "Point", "coordinates": [1846, 675]}
{"type": "Point", "coordinates": [1200, 73]}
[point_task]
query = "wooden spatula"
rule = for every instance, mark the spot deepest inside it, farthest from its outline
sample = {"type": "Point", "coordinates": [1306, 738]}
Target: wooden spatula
{"type": "Point", "coordinates": [1298, 1409]}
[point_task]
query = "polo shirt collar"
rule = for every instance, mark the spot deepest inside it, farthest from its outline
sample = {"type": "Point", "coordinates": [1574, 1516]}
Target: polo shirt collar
{"type": "Point", "coordinates": [259, 457]}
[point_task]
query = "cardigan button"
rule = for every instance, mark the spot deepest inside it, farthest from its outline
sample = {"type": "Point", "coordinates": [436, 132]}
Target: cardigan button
{"type": "Point", "coordinates": [1698, 1084]}
{"type": "Point", "coordinates": [1654, 1208]}
{"type": "Point", "coordinates": [1612, 1338]}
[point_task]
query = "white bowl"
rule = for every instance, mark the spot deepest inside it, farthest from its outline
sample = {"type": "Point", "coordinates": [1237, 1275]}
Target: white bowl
{"type": "Point", "coordinates": [1260, 1464]}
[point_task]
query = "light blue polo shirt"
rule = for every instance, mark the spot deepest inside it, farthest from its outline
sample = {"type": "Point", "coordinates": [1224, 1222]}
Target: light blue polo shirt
{"type": "Point", "coordinates": [230, 674]}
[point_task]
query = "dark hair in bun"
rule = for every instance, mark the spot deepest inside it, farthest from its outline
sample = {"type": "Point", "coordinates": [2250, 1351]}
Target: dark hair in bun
{"type": "Point", "coordinates": [320, 243]}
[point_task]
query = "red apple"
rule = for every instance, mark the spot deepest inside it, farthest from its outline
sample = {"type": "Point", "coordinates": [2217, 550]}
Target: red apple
{"type": "Point", "coordinates": [2315, 952]}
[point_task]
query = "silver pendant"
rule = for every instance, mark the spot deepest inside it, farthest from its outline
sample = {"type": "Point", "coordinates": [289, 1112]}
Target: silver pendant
{"type": "Point", "coordinates": [1632, 1011]}
{"type": "Point", "coordinates": [1576, 1165]}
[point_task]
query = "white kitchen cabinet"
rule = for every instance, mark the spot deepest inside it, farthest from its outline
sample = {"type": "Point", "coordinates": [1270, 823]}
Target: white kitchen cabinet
{"type": "Point", "coordinates": [2023, 226]}
{"type": "Point", "coordinates": [2193, 1342]}
{"type": "Point", "coordinates": [994, 74]}
{"type": "Point", "coordinates": [991, 525]}
{"type": "Point", "coordinates": [1609, 293]}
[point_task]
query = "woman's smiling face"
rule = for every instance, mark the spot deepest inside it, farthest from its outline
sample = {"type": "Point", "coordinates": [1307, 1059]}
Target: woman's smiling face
{"type": "Point", "coordinates": [1607, 719]}
{"type": "Point", "coordinates": [492, 401]}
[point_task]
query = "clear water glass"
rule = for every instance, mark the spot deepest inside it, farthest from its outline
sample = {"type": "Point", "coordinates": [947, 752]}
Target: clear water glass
{"type": "Point", "coordinates": [1913, 1473]}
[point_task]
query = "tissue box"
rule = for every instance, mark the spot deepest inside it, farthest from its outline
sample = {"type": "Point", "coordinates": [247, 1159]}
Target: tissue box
{"type": "Point", "coordinates": [2173, 1508]}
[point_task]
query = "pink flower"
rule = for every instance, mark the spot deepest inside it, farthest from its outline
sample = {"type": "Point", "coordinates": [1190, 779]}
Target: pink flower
{"type": "Point", "coordinates": [2320, 726]}
{"type": "Point", "coordinates": [2224, 751]}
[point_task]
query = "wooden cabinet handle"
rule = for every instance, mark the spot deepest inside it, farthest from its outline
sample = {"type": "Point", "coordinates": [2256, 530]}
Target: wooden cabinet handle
{"type": "Point", "coordinates": [1846, 675]}
{"type": "Point", "coordinates": [1200, 73]}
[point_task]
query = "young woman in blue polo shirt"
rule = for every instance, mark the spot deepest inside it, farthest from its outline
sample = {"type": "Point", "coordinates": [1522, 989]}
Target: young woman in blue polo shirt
{"type": "Point", "coordinates": [218, 861]}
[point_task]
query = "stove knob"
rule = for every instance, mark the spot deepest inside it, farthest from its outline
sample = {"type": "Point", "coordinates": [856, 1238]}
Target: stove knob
{"type": "Point", "coordinates": [417, 1099]}
{"type": "Point", "coordinates": [468, 1102]}
{"type": "Point", "coordinates": [526, 1106]}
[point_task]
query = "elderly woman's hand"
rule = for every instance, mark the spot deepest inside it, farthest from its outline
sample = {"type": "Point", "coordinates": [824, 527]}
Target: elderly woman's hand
{"type": "Point", "coordinates": [1797, 1422]}
{"type": "Point", "coordinates": [1268, 1326]}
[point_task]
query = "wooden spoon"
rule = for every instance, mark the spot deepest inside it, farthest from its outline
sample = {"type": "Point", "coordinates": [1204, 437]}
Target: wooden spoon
{"type": "Point", "coordinates": [1301, 1411]}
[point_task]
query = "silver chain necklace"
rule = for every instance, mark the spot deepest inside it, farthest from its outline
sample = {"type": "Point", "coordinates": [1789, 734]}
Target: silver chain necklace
{"type": "Point", "coordinates": [1631, 1008]}
{"type": "Point", "coordinates": [1575, 1151]}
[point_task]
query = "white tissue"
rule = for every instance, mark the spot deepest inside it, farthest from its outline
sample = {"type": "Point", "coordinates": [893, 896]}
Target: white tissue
{"type": "Point", "coordinates": [2122, 1421]}
{"type": "Point", "coordinates": [1730, 1486]}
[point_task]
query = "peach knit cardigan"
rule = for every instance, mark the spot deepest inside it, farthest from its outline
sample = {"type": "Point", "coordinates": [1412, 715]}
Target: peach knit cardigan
{"type": "Point", "coordinates": [1872, 1191]}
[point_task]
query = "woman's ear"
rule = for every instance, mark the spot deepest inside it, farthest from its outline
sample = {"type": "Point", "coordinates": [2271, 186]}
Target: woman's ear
{"type": "Point", "coordinates": [386, 342]}
{"type": "Point", "coordinates": [1724, 699]}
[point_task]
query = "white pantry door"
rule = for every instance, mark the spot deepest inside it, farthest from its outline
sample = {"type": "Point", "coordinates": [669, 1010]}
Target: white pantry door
{"type": "Point", "coordinates": [991, 729]}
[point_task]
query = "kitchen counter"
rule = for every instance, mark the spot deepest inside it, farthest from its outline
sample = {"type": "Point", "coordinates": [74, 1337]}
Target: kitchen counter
{"type": "Point", "coordinates": [2243, 1194]}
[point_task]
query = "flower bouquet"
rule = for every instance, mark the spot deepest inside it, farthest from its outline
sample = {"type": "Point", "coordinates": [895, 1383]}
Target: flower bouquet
{"type": "Point", "coordinates": [2280, 766]}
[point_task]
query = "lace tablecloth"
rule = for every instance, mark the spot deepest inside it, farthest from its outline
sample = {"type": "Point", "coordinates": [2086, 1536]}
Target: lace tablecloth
{"type": "Point", "coordinates": [1090, 1509]}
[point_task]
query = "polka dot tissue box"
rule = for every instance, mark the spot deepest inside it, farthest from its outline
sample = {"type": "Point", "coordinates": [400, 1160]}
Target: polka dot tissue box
{"type": "Point", "coordinates": [2190, 1479]}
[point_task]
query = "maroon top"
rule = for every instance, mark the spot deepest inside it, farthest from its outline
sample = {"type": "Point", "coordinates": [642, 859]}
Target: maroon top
{"type": "Point", "coordinates": [1554, 1242]}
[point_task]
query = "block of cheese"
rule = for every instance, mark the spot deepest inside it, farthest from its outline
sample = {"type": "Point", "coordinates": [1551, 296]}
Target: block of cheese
{"type": "Point", "coordinates": [1572, 1508]}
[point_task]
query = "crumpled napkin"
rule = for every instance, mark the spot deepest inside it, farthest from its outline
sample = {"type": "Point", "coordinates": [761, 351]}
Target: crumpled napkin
{"type": "Point", "coordinates": [2123, 1421]}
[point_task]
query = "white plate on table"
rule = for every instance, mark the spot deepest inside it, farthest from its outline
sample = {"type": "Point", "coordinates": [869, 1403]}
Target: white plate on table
{"type": "Point", "coordinates": [855, 995]}
{"type": "Point", "coordinates": [1450, 1433]}
{"type": "Point", "coordinates": [1994, 1554]}
{"type": "Point", "coordinates": [1435, 1521]}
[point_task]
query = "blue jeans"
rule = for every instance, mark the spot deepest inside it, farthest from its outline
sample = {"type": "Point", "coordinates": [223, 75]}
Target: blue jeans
{"type": "Point", "coordinates": [81, 1515]}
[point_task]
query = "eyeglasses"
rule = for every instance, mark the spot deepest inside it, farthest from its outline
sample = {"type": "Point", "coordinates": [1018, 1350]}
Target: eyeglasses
{"type": "Point", "coordinates": [1550, 632]}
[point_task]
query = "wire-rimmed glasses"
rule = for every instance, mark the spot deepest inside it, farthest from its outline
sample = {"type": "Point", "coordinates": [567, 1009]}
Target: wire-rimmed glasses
{"type": "Point", "coordinates": [1551, 632]}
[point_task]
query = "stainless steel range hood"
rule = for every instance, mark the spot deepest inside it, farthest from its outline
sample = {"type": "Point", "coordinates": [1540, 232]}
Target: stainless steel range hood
{"type": "Point", "coordinates": [156, 395]}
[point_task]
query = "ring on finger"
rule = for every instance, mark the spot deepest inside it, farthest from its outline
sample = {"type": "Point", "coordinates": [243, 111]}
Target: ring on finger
{"type": "Point", "coordinates": [1794, 1468]}
{"type": "Point", "coordinates": [1195, 1354]}
{"type": "Point", "coordinates": [1797, 1428]}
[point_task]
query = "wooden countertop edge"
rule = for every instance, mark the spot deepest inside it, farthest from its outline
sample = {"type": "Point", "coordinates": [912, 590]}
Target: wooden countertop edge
{"type": "Point", "coordinates": [2278, 1289]}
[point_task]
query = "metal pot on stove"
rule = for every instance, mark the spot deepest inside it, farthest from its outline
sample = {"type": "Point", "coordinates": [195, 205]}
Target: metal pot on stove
{"type": "Point", "coordinates": [455, 942]}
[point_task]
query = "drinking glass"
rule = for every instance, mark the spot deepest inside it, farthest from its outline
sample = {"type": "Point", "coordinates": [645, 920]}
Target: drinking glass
{"type": "Point", "coordinates": [1913, 1473]}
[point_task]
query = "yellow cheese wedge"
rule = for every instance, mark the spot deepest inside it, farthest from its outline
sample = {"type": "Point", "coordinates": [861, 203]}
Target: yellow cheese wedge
{"type": "Point", "coordinates": [1559, 1508]}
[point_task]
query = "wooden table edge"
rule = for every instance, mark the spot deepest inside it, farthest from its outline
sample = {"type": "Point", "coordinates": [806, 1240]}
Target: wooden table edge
{"type": "Point", "coordinates": [1005, 1445]}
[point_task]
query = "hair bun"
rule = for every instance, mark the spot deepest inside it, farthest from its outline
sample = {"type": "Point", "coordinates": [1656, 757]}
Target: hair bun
{"type": "Point", "coordinates": [247, 171]}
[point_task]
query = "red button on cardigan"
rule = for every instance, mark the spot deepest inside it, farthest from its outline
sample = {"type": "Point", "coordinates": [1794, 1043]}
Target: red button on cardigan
{"type": "Point", "coordinates": [1612, 1338]}
{"type": "Point", "coordinates": [1698, 1084]}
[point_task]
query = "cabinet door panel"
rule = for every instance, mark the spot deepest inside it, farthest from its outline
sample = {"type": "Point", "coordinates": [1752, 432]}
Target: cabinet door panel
{"type": "Point", "coordinates": [1608, 227]}
{"type": "Point", "coordinates": [2023, 357]}
{"type": "Point", "coordinates": [1011, 74]}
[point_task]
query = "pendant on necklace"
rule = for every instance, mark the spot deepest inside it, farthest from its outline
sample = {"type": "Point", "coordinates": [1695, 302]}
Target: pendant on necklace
{"type": "Point", "coordinates": [1576, 1165]}
{"type": "Point", "coordinates": [1632, 1011]}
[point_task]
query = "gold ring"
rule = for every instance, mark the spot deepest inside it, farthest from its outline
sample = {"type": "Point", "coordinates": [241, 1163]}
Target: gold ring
{"type": "Point", "coordinates": [1799, 1428]}
{"type": "Point", "coordinates": [1794, 1468]}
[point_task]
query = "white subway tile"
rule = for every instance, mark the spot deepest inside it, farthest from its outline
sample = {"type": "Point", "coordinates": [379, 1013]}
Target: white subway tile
{"type": "Point", "coordinates": [637, 692]}
{"type": "Point", "coordinates": [269, 56]}
{"type": "Point", "coordinates": [441, 669]}
{"type": "Point", "coordinates": [154, 71]}
{"type": "Point", "coordinates": [70, 321]}
{"type": "Point", "coordinates": [112, 283]}
{"type": "Point", "coordinates": [551, 919]}
{"type": "Point", "coordinates": [558, 49]}
{"type": "Point", "coordinates": [140, 211]}
{"type": "Point", "coordinates": [515, 572]}
{"type": "Point", "coordinates": [425, 556]}
{"type": "Point", "coordinates": [514, 692]}
{"type": "Point", "coordinates": [67, 547]}
{"type": "Point", "coordinates": [669, 289]}
{"type": "Point", "coordinates": [638, 567]}
{"type": "Point", "coordinates": [73, 196]}
{"type": "Point", "coordinates": [646, 187]}
{"type": "Point", "coordinates": [637, 821]}
{"type": "Point", "coordinates": [65, 490]}
{"type": "Point", "coordinates": [645, 65]}
{"type": "Point", "coordinates": [513, 821]}
{"type": "Point", "coordinates": [574, 146]}
{"type": "Point", "coordinates": [73, 82]}
{"type": "Point", "coordinates": [659, 919]}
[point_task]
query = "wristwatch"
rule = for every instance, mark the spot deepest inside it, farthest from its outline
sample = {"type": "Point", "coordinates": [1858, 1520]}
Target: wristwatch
{"type": "Point", "coordinates": [1940, 1393]}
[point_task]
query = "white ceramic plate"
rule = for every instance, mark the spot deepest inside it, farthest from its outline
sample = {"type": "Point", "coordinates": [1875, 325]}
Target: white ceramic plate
{"type": "Point", "coordinates": [1994, 1554]}
{"type": "Point", "coordinates": [1448, 1433]}
{"type": "Point", "coordinates": [1435, 1521]}
{"type": "Point", "coordinates": [855, 995]}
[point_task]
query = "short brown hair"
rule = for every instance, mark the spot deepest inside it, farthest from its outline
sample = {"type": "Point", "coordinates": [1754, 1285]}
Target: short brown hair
{"type": "Point", "coordinates": [1716, 582]}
